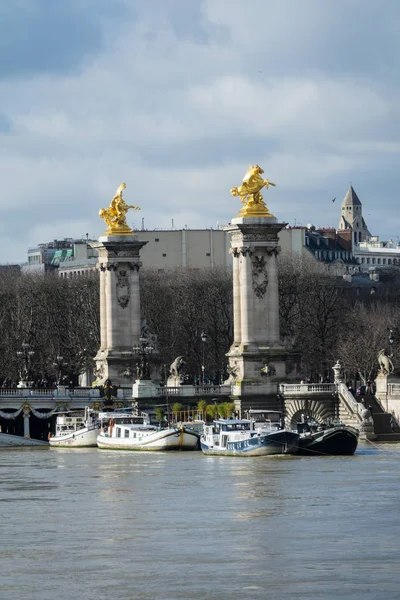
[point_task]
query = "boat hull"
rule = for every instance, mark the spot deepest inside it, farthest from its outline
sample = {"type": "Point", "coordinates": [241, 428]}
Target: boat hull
{"type": "Point", "coordinates": [7, 440]}
{"type": "Point", "coordinates": [81, 438]}
{"type": "Point", "coordinates": [336, 441]}
{"type": "Point", "coordinates": [168, 439]}
{"type": "Point", "coordinates": [279, 442]}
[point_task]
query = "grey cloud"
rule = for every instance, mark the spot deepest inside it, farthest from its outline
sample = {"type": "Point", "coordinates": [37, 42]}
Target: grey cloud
{"type": "Point", "coordinates": [171, 101]}
{"type": "Point", "coordinates": [39, 36]}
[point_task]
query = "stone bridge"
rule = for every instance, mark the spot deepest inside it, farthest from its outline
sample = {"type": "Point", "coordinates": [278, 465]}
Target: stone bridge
{"type": "Point", "coordinates": [320, 401]}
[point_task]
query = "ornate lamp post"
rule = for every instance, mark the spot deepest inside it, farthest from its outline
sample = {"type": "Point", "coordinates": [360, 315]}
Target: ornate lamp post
{"type": "Point", "coordinates": [203, 341]}
{"type": "Point", "coordinates": [59, 364]}
{"type": "Point", "coordinates": [391, 340]}
{"type": "Point", "coordinates": [144, 350]}
{"type": "Point", "coordinates": [25, 356]}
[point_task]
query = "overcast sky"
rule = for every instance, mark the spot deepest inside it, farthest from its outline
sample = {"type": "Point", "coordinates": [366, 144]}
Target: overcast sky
{"type": "Point", "coordinates": [178, 97]}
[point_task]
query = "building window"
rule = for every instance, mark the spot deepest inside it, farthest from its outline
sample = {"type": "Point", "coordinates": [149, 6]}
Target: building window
{"type": "Point", "coordinates": [157, 239]}
{"type": "Point", "coordinates": [384, 261]}
{"type": "Point", "coordinates": [126, 433]}
{"type": "Point", "coordinates": [378, 260]}
{"type": "Point", "coordinates": [368, 261]}
{"type": "Point", "coordinates": [362, 261]}
{"type": "Point", "coordinates": [389, 261]}
{"type": "Point", "coordinates": [164, 255]}
{"type": "Point", "coordinates": [208, 254]}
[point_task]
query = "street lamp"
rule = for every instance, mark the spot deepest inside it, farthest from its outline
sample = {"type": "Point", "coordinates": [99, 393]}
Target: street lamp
{"type": "Point", "coordinates": [25, 356]}
{"type": "Point", "coordinates": [391, 340]}
{"type": "Point", "coordinates": [143, 350]}
{"type": "Point", "coordinates": [59, 364]}
{"type": "Point", "coordinates": [204, 341]}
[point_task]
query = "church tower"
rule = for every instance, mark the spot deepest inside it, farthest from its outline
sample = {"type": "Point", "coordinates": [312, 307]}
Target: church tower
{"type": "Point", "coordinates": [352, 218]}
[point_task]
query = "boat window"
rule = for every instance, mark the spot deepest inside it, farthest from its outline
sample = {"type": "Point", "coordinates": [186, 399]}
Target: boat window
{"type": "Point", "coordinates": [118, 432]}
{"type": "Point", "coordinates": [126, 432]}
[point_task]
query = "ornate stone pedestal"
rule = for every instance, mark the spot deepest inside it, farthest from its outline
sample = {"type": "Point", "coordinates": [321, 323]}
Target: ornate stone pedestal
{"type": "Point", "coordinates": [119, 264]}
{"type": "Point", "coordinates": [258, 360]}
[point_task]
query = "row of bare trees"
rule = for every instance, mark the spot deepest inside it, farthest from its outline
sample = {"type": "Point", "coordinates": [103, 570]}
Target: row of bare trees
{"type": "Point", "coordinates": [320, 315]}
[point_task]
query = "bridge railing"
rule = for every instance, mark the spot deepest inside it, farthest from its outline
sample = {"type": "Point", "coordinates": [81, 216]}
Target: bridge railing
{"type": "Point", "coordinates": [393, 389]}
{"type": "Point", "coordinates": [195, 390]}
{"type": "Point", "coordinates": [296, 389]}
{"type": "Point", "coordinates": [348, 398]}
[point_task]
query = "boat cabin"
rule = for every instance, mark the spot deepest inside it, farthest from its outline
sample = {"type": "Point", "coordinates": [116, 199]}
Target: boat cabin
{"type": "Point", "coordinates": [125, 424]}
{"type": "Point", "coordinates": [224, 430]}
{"type": "Point", "coordinates": [264, 419]}
{"type": "Point", "coordinates": [67, 423]}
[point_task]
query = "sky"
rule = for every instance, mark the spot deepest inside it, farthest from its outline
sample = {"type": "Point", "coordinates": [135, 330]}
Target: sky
{"type": "Point", "coordinates": [178, 97]}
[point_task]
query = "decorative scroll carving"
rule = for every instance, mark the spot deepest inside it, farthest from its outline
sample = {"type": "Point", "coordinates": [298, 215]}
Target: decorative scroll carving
{"type": "Point", "coordinates": [259, 276]}
{"type": "Point", "coordinates": [272, 251]}
{"type": "Point", "coordinates": [135, 266]}
{"type": "Point", "coordinates": [245, 251]}
{"type": "Point", "coordinates": [107, 266]}
{"type": "Point", "coordinates": [234, 252]}
{"type": "Point", "coordinates": [123, 288]}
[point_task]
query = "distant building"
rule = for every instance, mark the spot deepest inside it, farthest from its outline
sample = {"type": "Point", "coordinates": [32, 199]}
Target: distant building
{"type": "Point", "coordinates": [351, 218]}
{"type": "Point", "coordinates": [40, 258]}
{"type": "Point", "coordinates": [368, 250]}
{"type": "Point", "coordinates": [374, 254]}
{"type": "Point", "coordinates": [190, 249]}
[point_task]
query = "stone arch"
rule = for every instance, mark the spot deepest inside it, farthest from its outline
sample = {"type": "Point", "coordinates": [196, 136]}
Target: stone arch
{"type": "Point", "coordinates": [319, 410]}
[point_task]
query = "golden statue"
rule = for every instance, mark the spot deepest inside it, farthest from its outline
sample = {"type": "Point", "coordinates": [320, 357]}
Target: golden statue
{"type": "Point", "coordinates": [115, 214]}
{"type": "Point", "coordinates": [250, 195]}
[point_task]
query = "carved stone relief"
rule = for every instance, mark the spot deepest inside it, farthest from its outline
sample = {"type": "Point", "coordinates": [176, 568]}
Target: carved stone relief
{"type": "Point", "coordinates": [259, 275]}
{"type": "Point", "coordinates": [123, 288]}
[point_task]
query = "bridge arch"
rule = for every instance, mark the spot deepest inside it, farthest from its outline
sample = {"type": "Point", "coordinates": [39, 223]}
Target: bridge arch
{"type": "Point", "coordinates": [319, 411]}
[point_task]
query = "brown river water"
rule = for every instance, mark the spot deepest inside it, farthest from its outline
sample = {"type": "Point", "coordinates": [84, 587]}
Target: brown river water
{"type": "Point", "coordinates": [97, 525]}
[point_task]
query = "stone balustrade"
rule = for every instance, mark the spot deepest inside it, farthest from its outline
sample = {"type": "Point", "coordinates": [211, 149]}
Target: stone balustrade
{"type": "Point", "coordinates": [299, 389]}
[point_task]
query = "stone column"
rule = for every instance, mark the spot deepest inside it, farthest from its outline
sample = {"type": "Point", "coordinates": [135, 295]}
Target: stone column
{"type": "Point", "coordinates": [237, 337]}
{"type": "Point", "coordinates": [119, 264]}
{"type": "Point", "coordinates": [103, 310]}
{"type": "Point", "coordinates": [26, 413]}
{"type": "Point", "coordinates": [258, 359]}
{"type": "Point", "coordinates": [273, 297]}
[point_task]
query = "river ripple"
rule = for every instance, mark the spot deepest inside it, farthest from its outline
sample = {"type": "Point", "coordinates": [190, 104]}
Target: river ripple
{"type": "Point", "coordinates": [97, 525]}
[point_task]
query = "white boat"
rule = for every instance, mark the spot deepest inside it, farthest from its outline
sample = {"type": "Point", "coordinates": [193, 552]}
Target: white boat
{"type": "Point", "coordinates": [126, 431]}
{"type": "Point", "coordinates": [76, 430]}
{"type": "Point", "coordinates": [239, 437]}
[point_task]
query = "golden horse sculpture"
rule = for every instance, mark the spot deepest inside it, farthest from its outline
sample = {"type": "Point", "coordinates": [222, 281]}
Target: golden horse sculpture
{"type": "Point", "coordinates": [249, 193]}
{"type": "Point", "coordinates": [115, 214]}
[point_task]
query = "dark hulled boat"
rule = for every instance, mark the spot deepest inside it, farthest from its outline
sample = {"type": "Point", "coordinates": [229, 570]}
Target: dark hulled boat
{"type": "Point", "coordinates": [327, 440]}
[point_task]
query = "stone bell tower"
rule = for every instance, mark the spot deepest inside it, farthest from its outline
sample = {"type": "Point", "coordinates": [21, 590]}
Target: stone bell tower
{"type": "Point", "coordinates": [119, 264]}
{"type": "Point", "coordinates": [258, 360]}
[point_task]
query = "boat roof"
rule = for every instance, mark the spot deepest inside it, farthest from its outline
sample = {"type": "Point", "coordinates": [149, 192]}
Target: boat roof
{"type": "Point", "coordinates": [232, 421]}
{"type": "Point", "coordinates": [262, 411]}
{"type": "Point", "coordinates": [119, 415]}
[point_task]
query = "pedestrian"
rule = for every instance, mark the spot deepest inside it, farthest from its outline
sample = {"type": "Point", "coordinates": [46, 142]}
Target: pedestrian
{"type": "Point", "coordinates": [392, 425]}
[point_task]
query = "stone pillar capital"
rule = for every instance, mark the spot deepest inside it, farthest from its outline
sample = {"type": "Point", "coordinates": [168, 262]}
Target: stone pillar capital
{"type": "Point", "coordinates": [135, 265]}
